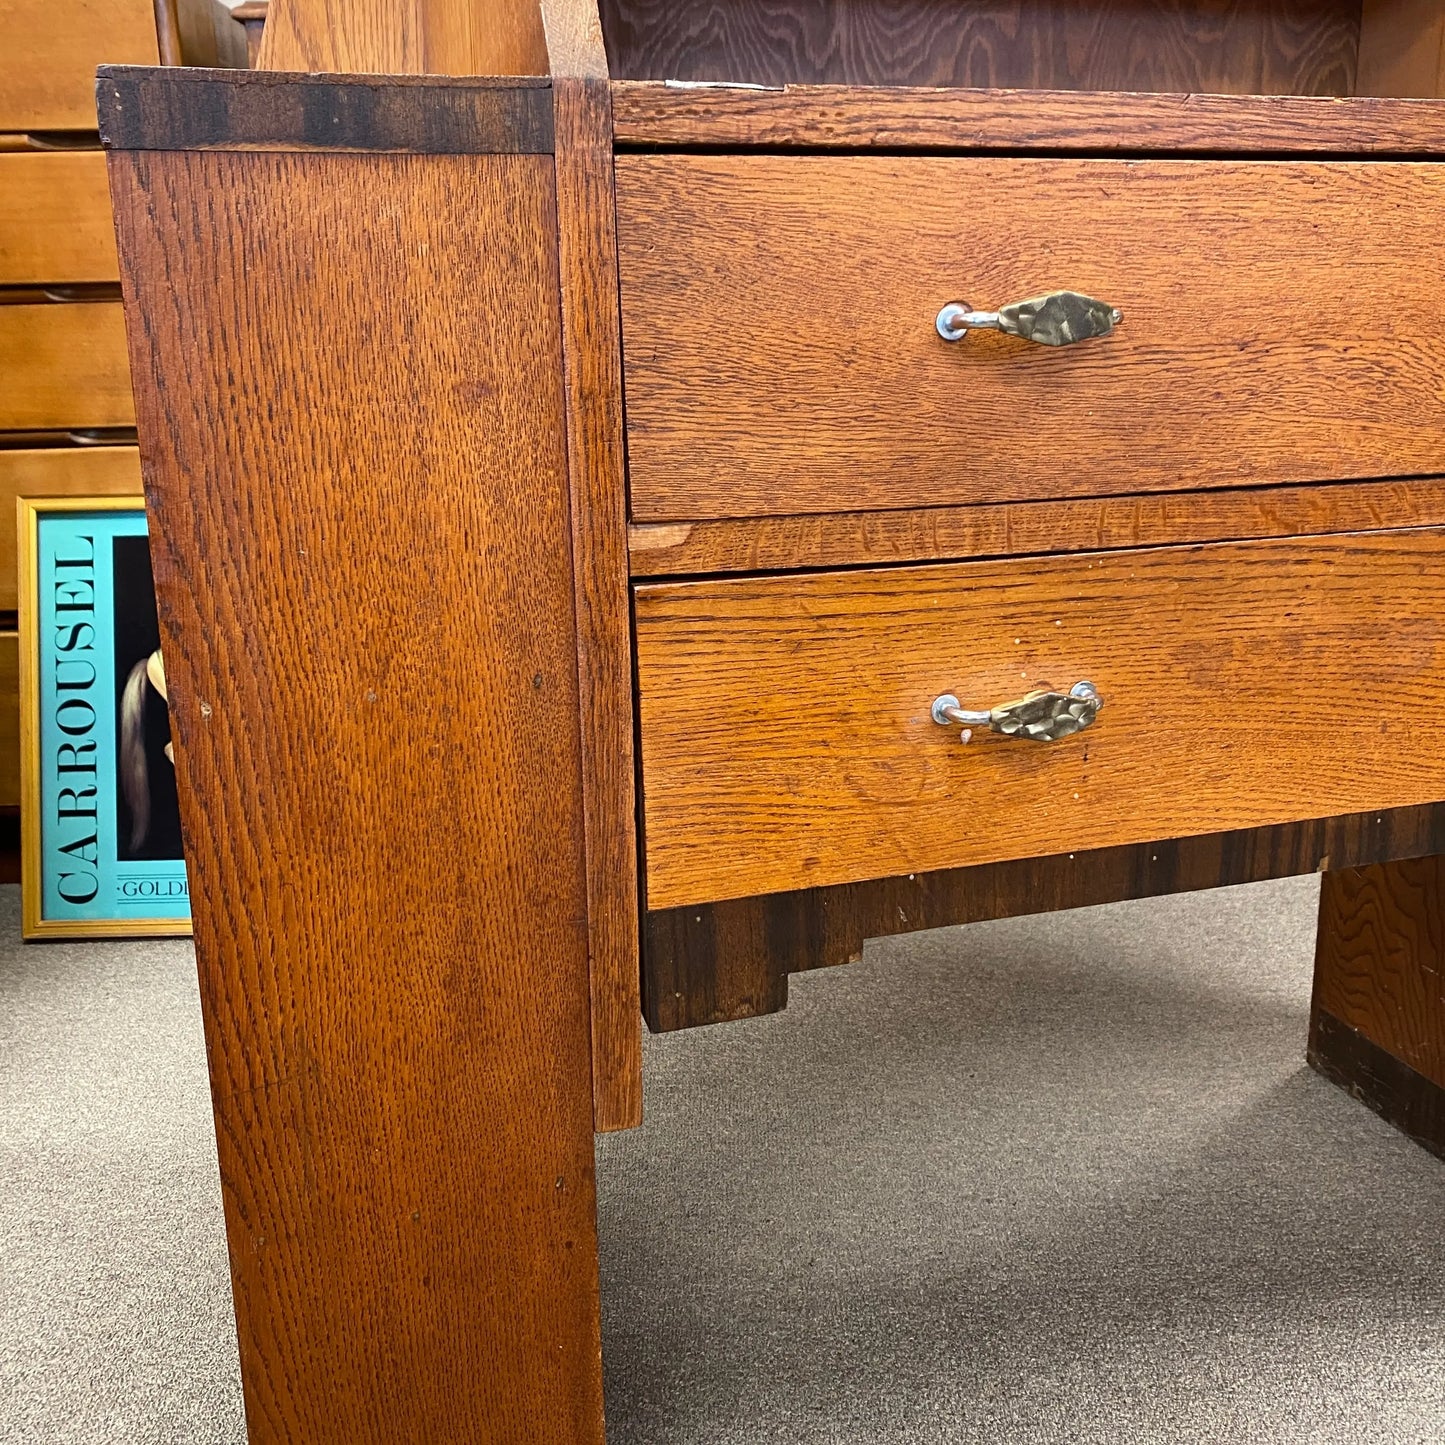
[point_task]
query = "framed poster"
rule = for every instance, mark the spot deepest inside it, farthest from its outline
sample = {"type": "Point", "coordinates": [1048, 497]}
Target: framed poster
{"type": "Point", "coordinates": [100, 826]}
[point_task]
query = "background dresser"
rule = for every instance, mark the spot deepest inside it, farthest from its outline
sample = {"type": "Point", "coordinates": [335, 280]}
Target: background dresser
{"type": "Point", "coordinates": [744, 479]}
{"type": "Point", "coordinates": [67, 421]}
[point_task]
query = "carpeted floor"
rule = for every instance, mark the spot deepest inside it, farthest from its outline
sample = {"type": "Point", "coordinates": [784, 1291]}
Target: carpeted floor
{"type": "Point", "coordinates": [1054, 1180]}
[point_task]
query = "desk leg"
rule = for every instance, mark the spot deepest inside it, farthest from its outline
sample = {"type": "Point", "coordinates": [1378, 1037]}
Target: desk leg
{"type": "Point", "coordinates": [349, 392]}
{"type": "Point", "coordinates": [1377, 1024]}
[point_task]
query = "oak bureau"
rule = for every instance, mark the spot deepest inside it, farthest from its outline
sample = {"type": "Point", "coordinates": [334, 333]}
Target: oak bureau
{"type": "Point", "coordinates": [646, 498]}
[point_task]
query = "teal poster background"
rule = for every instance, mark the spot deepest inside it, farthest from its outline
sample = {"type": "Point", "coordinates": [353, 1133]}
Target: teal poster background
{"type": "Point", "coordinates": [95, 611]}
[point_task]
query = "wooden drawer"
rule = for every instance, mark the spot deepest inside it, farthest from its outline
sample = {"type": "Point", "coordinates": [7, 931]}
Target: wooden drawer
{"type": "Point", "coordinates": [51, 50]}
{"type": "Point", "coordinates": [9, 720]}
{"type": "Point", "coordinates": [64, 365]}
{"type": "Point", "coordinates": [56, 472]}
{"type": "Point", "coordinates": [781, 354]}
{"type": "Point", "coordinates": [55, 222]}
{"type": "Point", "coordinates": [787, 738]}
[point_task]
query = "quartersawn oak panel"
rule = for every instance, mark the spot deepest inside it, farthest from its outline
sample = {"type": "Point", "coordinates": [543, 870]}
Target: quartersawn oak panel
{"type": "Point", "coordinates": [587, 250]}
{"type": "Point", "coordinates": [1305, 47]}
{"type": "Point", "coordinates": [781, 357]}
{"type": "Point", "coordinates": [417, 37]}
{"type": "Point", "coordinates": [787, 743]}
{"type": "Point", "coordinates": [350, 398]}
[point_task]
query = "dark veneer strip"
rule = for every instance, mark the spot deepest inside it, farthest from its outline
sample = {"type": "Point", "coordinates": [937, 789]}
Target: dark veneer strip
{"type": "Point", "coordinates": [1412, 1103]}
{"type": "Point", "coordinates": [173, 108]}
{"type": "Point", "coordinates": [713, 962]}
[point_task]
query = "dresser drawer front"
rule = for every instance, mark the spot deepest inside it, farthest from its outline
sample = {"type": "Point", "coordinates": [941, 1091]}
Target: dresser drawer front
{"type": "Point", "coordinates": [51, 50]}
{"type": "Point", "coordinates": [63, 365]}
{"type": "Point", "coordinates": [787, 739]}
{"type": "Point", "coordinates": [781, 352]}
{"type": "Point", "coordinates": [55, 221]}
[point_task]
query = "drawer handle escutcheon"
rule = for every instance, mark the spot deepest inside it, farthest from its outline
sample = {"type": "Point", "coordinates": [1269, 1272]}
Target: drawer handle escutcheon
{"type": "Point", "coordinates": [1044, 716]}
{"type": "Point", "coordinates": [1059, 319]}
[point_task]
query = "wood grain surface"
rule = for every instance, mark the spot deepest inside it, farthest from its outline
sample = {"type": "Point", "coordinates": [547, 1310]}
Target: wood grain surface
{"type": "Point", "coordinates": [404, 37]}
{"type": "Point", "coordinates": [73, 471]}
{"type": "Point", "coordinates": [1245, 684]}
{"type": "Point", "coordinates": [820, 117]}
{"type": "Point", "coordinates": [51, 50]}
{"type": "Point", "coordinates": [587, 256]}
{"type": "Point", "coordinates": [713, 962]}
{"type": "Point", "coordinates": [63, 365]}
{"type": "Point", "coordinates": [928, 534]}
{"type": "Point", "coordinates": [1268, 331]}
{"type": "Point", "coordinates": [1380, 962]}
{"type": "Point", "coordinates": [1303, 47]}
{"type": "Point", "coordinates": [262, 110]}
{"type": "Point", "coordinates": [55, 223]}
{"type": "Point", "coordinates": [351, 413]}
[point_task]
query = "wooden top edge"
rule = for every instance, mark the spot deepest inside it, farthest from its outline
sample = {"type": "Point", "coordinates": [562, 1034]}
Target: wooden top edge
{"type": "Point", "coordinates": [179, 108]}
{"type": "Point", "coordinates": [261, 79]}
{"type": "Point", "coordinates": [669, 114]}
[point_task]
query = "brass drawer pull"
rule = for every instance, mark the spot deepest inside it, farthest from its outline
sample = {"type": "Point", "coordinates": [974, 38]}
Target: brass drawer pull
{"type": "Point", "coordinates": [1059, 319]}
{"type": "Point", "coordinates": [1044, 716]}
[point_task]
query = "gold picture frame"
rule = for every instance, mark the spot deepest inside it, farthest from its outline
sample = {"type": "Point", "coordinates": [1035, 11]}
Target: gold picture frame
{"type": "Point", "coordinates": [36, 922]}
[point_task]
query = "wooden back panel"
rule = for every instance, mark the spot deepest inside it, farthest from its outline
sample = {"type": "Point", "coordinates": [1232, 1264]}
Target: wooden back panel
{"type": "Point", "coordinates": [1402, 48]}
{"type": "Point", "coordinates": [1301, 47]}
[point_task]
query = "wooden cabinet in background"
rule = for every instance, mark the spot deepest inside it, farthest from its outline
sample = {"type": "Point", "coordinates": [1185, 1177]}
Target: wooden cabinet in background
{"type": "Point", "coordinates": [59, 471]}
{"type": "Point", "coordinates": [63, 366]}
{"type": "Point", "coordinates": [51, 50]}
{"type": "Point", "coordinates": [55, 223]}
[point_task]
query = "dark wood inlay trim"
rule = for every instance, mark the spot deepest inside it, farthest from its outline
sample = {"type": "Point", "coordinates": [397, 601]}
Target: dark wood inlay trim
{"type": "Point", "coordinates": [173, 108]}
{"type": "Point", "coordinates": [712, 962]}
{"type": "Point", "coordinates": [1411, 1102]}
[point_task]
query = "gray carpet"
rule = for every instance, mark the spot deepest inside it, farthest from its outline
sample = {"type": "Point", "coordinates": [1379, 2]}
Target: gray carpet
{"type": "Point", "coordinates": [1063, 1179]}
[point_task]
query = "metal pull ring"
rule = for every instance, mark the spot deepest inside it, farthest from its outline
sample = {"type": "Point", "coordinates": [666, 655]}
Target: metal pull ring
{"type": "Point", "coordinates": [1059, 319]}
{"type": "Point", "coordinates": [1044, 716]}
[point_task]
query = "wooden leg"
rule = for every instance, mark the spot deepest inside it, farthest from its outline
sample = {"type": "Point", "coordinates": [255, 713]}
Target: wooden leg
{"type": "Point", "coordinates": [349, 395]}
{"type": "Point", "coordinates": [1377, 1023]}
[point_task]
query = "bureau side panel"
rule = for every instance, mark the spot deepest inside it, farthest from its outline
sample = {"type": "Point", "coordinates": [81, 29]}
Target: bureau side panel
{"type": "Point", "coordinates": [350, 410]}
